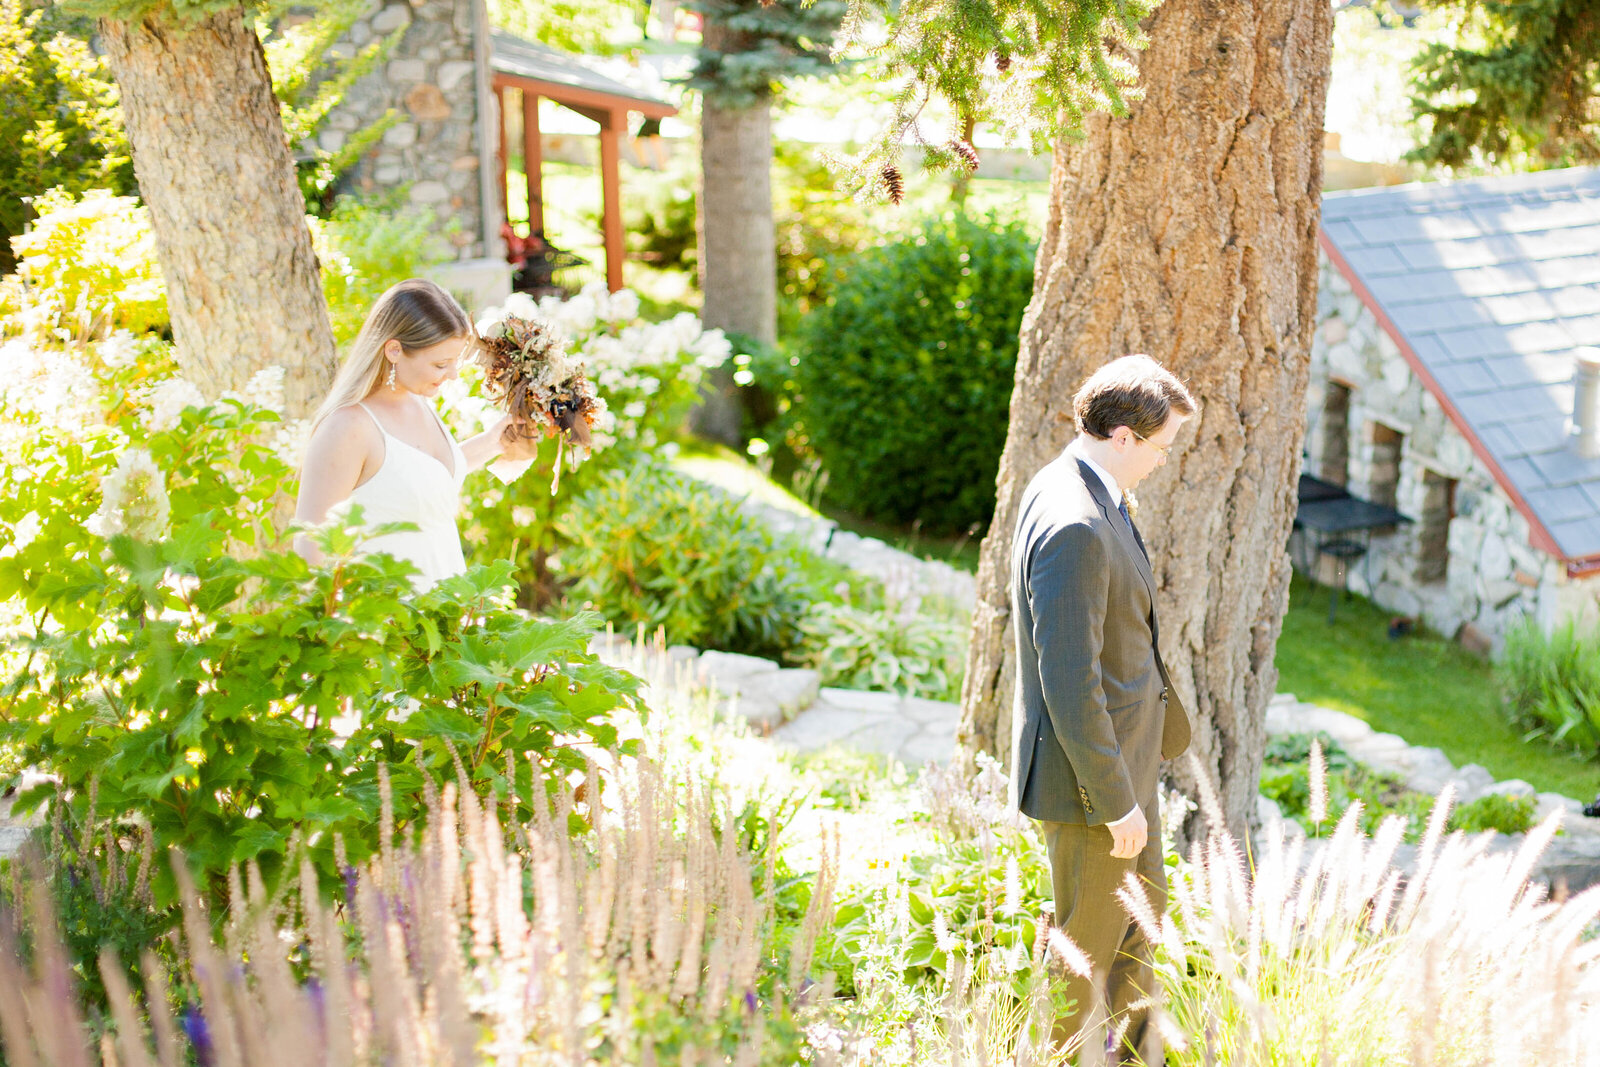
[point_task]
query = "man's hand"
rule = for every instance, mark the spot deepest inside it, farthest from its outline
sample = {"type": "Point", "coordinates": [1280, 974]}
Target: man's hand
{"type": "Point", "coordinates": [1128, 834]}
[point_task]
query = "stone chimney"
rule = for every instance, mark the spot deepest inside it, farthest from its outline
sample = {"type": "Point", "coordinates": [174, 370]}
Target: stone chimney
{"type": "Point", "coordinates": [1583, 431]}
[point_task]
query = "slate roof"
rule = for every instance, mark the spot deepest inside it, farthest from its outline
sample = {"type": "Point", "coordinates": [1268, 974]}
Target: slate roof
{"type": "Point", "coordinates": [510, 54]}
{"type": "Point", "coordinates": [1487, 286]}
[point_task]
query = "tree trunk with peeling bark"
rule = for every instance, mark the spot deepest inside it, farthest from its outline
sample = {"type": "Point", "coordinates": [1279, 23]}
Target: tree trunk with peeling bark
{"type": "Point", "coordinates": [1186, 230]}
{"type": "Point", "coordinates": [243, 283]}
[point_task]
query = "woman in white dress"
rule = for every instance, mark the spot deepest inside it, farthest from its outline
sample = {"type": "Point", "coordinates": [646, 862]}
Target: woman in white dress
{"type": "Point", "coordinates": [377, 442]}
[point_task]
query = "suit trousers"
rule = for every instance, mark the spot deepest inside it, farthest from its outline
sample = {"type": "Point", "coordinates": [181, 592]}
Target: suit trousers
{"type": "Point", "coordinates": [1086, 877]}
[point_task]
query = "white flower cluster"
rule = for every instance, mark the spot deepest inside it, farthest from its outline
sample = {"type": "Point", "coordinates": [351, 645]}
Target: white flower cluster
{"type": "Point", "coordinates": [166, 400]}
{"type": "Point", "coordinates": [52, 386]}
{"type": "Point", "coordinates": [133, 499]}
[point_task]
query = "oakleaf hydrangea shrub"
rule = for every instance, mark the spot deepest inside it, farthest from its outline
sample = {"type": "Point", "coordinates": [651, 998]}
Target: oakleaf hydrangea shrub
{"type": "Point", "coordinates": [904, 376]}
{"type": "Point", "coordinates": [176, 667]}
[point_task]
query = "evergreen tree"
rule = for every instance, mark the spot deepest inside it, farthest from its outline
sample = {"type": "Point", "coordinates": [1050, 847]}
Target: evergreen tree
{"type": "Point", "coordinates": [1517, 86]}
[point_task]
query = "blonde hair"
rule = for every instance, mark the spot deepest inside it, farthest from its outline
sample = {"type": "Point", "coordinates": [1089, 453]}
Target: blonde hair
{"type": "Point", "coordinates": [417, 313]}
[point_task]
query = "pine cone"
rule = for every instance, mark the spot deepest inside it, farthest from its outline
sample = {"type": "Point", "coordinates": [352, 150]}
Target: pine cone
{"type": "Point", "coordinates": [893, 184]}
{"type": "Point", "coordinates": [968, 154]}
{"type": "Point", "coordinates": [1002, 61]}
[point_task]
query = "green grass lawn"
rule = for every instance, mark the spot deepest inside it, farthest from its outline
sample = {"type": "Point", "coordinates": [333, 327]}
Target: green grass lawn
{"type": "Point", "coordinates": [1428, 690]}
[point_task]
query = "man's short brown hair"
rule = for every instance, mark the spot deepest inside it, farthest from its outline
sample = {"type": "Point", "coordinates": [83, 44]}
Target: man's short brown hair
{"type": "Point", "coordinates": [1134, 391]}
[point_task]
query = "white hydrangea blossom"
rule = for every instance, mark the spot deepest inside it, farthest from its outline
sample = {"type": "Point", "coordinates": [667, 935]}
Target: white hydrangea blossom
{"type": "Point", "coordinates": [166, 400]}
{"type": "Point", "coordinates": [265, 388]}
{"type": "Point", "coordinates": [53, 385]}
{"type": "Point", "coordinates": [133, 499]}
{"type": "Point", "coordinates": [288, 442]}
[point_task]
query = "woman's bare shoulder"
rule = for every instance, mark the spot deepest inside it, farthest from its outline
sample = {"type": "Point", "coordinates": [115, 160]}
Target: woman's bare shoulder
{"type": "Point", "coordinates": [348, 425]}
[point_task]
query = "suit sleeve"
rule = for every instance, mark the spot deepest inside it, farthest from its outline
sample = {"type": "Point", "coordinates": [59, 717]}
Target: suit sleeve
{"type": "Point", "coordinates": [1068, 582]}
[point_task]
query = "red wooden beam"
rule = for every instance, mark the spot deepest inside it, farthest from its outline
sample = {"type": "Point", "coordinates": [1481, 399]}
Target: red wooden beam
{"type": "Point", "coordinates": [611, 128]}
{"type": "Point", "coordinates": [570, 96]}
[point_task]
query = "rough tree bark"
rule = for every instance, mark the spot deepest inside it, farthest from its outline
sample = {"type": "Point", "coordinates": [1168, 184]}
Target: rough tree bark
{"type": "Point", "coordinates": [1186, 230]}
{"type": "Point", "coordinates": [243, 283]}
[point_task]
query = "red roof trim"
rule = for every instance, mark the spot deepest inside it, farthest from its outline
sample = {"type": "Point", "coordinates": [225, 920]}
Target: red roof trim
{"type": "Point", "coordinates": [1539, 536]}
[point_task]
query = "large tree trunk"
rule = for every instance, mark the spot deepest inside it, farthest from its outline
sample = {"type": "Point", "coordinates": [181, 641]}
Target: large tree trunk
{"type": "Point", "coordinates": [213, 167]}
{"type": "Point", "coordinates": [1188, 231]}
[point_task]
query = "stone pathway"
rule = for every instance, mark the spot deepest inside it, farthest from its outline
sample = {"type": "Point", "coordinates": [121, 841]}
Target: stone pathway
{"type": "Point", "coordinates": [790, 705]}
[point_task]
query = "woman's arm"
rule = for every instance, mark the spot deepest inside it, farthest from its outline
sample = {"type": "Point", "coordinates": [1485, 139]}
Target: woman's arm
{"type": "Point", "coordinates": [336, 462]}
{"type": "Point", "coordinates": [491, 445]}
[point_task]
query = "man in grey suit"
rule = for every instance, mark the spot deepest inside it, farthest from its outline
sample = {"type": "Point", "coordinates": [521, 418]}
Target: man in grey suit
{"type": "Point", "coordinates": [1095, 712]}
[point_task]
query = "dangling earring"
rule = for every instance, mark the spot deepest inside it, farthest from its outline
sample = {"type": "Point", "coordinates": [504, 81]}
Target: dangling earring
{"type": "Point", "coordinates": [390, 380]}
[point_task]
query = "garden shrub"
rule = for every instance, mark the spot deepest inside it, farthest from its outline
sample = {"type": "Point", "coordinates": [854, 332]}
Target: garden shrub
{"type": "Point", "coordinates": [61, 125]}
{"type": "Point", "coordinates": [1551, 684]}
{"type": "Point", "coordinates": [1498, 812]}
{"type": "Point", "coordinates": [182, 671]}
{"type": "Point", "coordinates": [651, 547]}
{"type": "Point", "coordinates": [904, 376]}
{"type": "Point", "coordinates": [367, 246]}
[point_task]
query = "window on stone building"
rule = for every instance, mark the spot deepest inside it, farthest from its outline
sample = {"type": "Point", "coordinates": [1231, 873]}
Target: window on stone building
{"type": "Point", "coordinates": [1383, 483]}
{"type": "Point", "coordinates": [1433, 529]}
{"type": "Point", "coordinates": [1334, 446]}
{"type": "Point", "coordinates": [1383, 477]}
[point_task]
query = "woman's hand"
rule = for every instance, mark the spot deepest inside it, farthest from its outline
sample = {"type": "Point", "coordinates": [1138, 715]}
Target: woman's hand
{"type": "Point", "coordinates": [514, 443]}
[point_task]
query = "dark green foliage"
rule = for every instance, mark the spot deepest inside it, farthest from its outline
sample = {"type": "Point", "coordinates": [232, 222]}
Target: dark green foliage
{"type": "Point", "coordinates": [650, 546]}
{"type": "Point", "coordinates": [751, 47]}
{"type": "Point", "coordinates": [904, 377]}
{"type": "Point", "coordinates": [60, 124]}
{"type": "Point", "coordinates": [1551, 684]}
{"type": "Point", "coordinates": [1517, 86]}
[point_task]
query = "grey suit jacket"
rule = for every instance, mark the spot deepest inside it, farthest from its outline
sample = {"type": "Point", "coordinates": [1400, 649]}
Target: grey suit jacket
{"type": "Point", "coordinates": [1095, 713]}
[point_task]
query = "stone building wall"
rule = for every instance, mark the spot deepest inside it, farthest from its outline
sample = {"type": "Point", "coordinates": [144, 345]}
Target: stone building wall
{"type": "Point", "coordinates": [1487, 576]}
{"type": "Point", "coordinates": [431, 82]}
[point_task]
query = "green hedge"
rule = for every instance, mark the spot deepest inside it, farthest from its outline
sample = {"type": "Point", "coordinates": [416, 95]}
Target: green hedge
{"type": "Point", "coordinates": [904, 376]}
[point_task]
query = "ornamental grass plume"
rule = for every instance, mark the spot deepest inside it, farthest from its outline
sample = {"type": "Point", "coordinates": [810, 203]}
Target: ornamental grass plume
{"type": "Point", "coordinates": [1329, 952]}
{"type": "Point", "coordinates": [623, 924]}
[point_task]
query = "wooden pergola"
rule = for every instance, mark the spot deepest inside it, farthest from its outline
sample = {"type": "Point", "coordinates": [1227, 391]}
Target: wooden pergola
{"type": "Point", "coordinates": [540, 72]}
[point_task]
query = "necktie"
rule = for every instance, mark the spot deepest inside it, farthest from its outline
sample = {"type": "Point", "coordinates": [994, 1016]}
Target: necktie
{"type": "Point", "coordinates": [1122, 506]}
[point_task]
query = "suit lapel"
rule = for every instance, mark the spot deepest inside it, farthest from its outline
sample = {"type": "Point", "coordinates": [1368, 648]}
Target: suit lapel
{"type": "Point", "coordinates": [1125, 532]}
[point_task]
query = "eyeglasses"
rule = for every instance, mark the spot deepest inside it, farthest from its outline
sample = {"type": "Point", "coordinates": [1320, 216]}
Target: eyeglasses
{"type": "Point", "coordinates": [1165, 450]}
